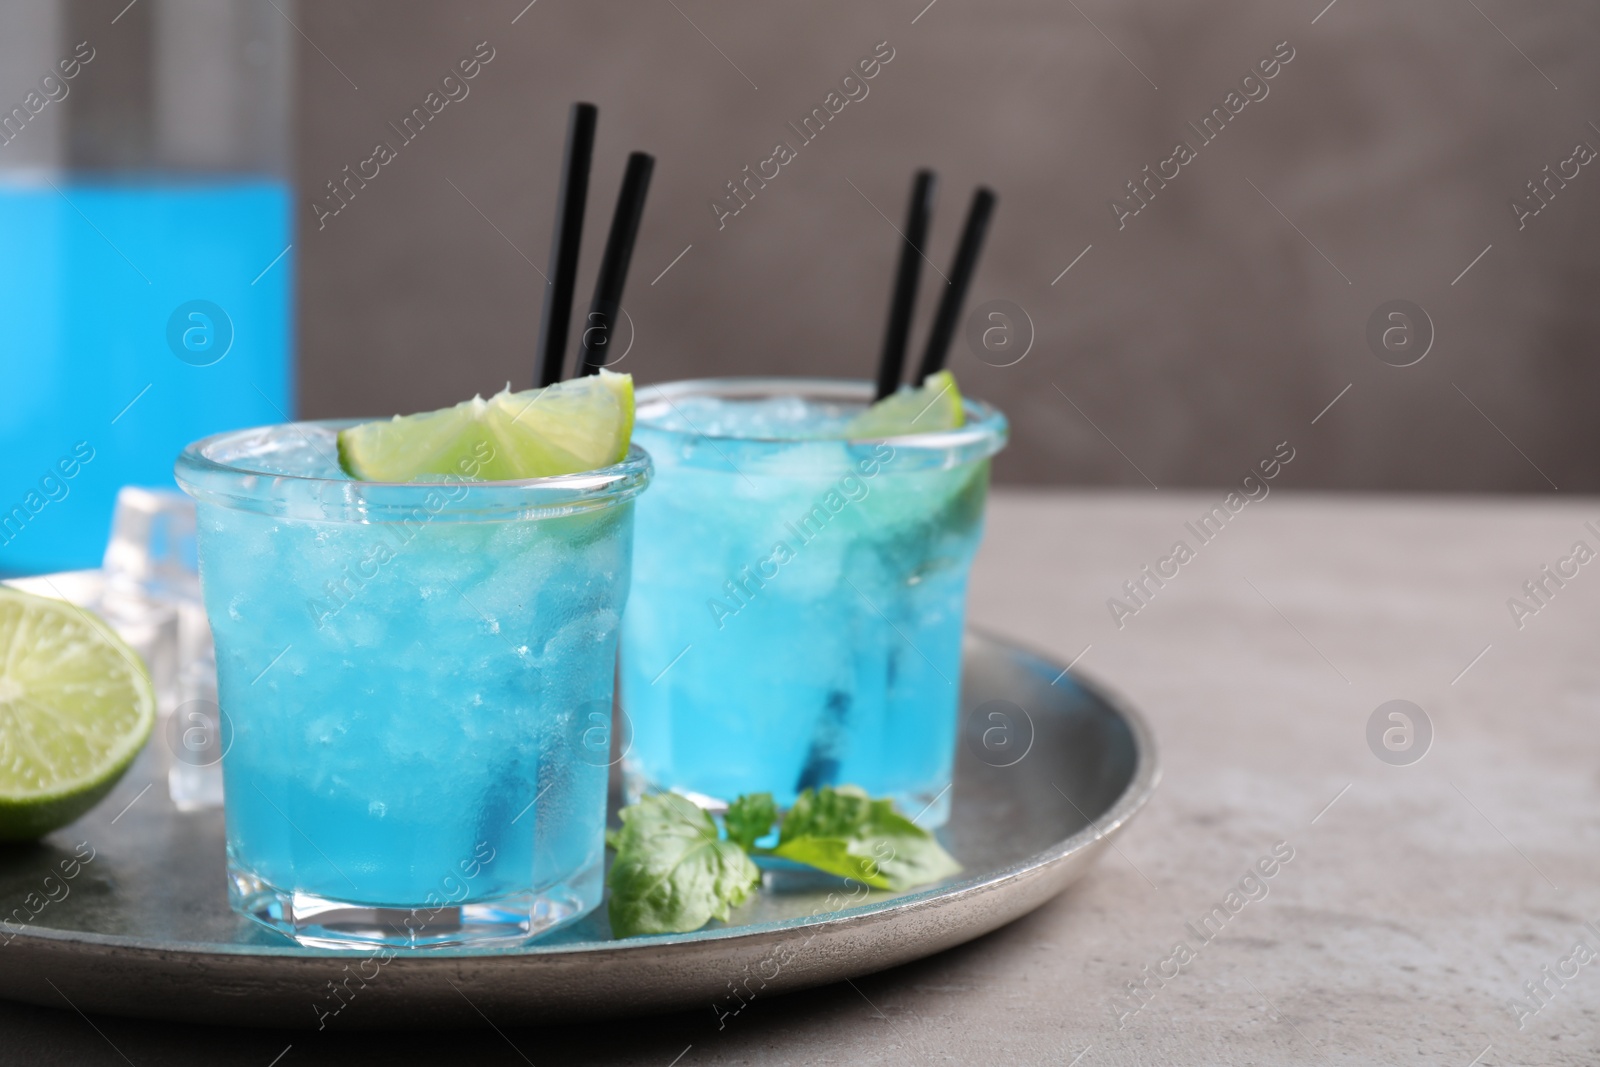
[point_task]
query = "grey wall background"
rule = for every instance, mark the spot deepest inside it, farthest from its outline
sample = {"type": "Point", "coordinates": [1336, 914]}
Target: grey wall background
{"type": "Point", "coordinates": [1177, 351]}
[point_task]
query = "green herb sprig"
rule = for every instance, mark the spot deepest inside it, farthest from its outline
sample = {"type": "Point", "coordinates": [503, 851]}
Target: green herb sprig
{"type": "Point", "coordinates": [675, 871]}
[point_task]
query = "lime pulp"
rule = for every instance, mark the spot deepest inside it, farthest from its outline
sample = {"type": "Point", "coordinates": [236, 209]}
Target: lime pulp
{"type": "Point", "coordinates": [76, 705]}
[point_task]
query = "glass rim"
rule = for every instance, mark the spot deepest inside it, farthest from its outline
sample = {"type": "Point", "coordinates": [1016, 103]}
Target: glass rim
{"type": "Point", "coordinates": [235, 484]}
{"type": "Point", "coordinates": [985, 423]}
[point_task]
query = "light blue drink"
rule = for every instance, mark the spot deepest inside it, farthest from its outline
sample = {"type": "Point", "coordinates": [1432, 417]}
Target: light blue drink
{"type": "Point", "coordinates": [91, 273]}
{"type": "Point", "coordinates": [418, 682]}
{"type": "Point", "coordinates": [797, 608]}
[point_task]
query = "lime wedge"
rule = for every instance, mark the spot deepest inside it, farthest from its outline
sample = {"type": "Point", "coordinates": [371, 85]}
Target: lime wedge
{"type": "Point", "coordinates": [933, 407]}
{"type": "Point", "coordinates": [572, 426]}
{"type": "Point", "coordinates": [75, 707]}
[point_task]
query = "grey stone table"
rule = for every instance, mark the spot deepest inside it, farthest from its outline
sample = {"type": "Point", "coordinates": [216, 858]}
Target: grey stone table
{"type": "Point", "coordinates": [1417, 898]}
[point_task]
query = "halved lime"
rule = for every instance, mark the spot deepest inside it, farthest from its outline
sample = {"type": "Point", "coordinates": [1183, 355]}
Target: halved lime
{"type": "Point", "coordinates": [76, 706]}
{"type": "Point", "coordinates": [571, 426]}
{"type": "Point", "coordinates": [936, 405]}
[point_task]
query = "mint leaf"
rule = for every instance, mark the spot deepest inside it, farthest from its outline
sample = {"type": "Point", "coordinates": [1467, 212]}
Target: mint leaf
{"type": "Point", "coordinates": [911, 857]}
{"type": "Point", "coordinates": [832, 811]}
{"type": "Point", "coordinates": [845, 832]}
{"type": "Point", "coordinates": [750, 818]}
{"type": "Point", "coordinates": [836, 855]}
{"type": "Point", "coordinates": [672, 872]}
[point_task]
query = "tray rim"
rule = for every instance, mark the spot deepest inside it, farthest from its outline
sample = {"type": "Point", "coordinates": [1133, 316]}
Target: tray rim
{"type": "Point", "coordinates": [1146, 777]}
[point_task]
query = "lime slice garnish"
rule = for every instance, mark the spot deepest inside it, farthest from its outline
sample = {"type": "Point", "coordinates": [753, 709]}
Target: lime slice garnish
{"type": "Point", "coordinates": [76, 705]}
{"type": "Point", "coordinates": [576, 425]}
{"type": "Point", "coordinates": [935, 406]}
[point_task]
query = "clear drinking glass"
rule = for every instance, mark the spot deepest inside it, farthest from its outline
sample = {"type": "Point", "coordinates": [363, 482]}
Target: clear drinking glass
{"type": "Point", "coordinates": [410, 678]}
{"type": "Point", "coordinates": [146, 267]}
{"type": "Point", "coordinates": [797, 607]}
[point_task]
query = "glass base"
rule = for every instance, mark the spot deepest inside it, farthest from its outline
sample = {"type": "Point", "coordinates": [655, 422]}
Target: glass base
{"type": "Point", "coordinates": [322, 922]}
{"type": "Point", "coordinates": [929, 809]}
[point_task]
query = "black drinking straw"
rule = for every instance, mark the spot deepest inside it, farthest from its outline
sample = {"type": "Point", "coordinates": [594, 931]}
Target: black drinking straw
{"type": "Point", "coordinates": [891, 363]}
{"type": "Point", "coordinates": [966, 264]}
{"type": "Point", "coordinates": [596, 335]}
{"type": "Point", "coordinates": [551, 351]}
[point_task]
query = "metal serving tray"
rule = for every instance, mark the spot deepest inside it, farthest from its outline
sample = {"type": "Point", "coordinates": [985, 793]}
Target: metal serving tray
{"type": "Point", "coordinates": [1049, 769]}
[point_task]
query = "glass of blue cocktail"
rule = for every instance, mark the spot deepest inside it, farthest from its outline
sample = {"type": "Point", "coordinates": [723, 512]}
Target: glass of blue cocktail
{"type": "Point", "coordinates": [799, 590]}
{"type": "Point", "coordinates": [416, 685]}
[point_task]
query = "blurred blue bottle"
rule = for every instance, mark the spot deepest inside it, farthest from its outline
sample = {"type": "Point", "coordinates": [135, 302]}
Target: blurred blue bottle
{"type": "Point", "coordinates": [146, 272]}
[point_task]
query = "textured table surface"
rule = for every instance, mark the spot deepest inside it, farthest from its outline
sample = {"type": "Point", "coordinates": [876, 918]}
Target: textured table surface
{"type": "Point", "coordinates": [1418, 900]}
